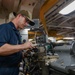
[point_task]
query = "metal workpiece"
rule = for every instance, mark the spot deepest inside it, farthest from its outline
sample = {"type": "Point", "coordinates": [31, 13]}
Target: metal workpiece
{"type": "Point", "coordinates": [50, 58]}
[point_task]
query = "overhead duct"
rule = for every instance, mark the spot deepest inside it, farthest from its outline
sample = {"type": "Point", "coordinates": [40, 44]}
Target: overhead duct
{"type": "Point", "coordinates": [7, 6]}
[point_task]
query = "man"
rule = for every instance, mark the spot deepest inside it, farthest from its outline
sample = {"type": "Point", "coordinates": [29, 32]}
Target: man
{"type": "Point", "coordinates": [10, 43]}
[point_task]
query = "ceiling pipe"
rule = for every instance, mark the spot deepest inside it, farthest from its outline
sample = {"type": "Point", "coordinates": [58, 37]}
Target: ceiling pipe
{"type": "Point", "coordinates": [46, 6]}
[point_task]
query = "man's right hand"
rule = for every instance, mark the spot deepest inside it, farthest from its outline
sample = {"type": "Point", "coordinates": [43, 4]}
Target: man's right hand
{"type": "Point", "coordinates": [28, 45]}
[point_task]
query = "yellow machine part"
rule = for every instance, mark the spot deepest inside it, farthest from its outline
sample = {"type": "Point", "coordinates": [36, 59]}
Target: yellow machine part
{"type": "Point", "coordinates": [46, 6]}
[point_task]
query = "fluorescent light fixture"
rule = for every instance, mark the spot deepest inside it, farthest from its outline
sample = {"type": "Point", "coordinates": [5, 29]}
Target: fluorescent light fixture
{"type": "Point", "coordinates": [27, 29]}
{"type": "Point", "coordinates": [52, 39]}
{"type": "Point", "coordinates": [30, 39]}
{"type": "Point", "coordinates": [60, 41]}
{"type": "Point", "coordinates": [68, 38]}
{"type": "Point", "coordinates": [68, 9]}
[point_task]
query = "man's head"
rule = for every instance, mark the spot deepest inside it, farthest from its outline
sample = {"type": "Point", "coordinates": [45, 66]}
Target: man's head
{"type": "Point", "coordinates": [23, 18]}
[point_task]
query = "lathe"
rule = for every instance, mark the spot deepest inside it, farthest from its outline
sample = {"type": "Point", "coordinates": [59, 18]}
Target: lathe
{"type": "Point", "coordinates": [60, 60]}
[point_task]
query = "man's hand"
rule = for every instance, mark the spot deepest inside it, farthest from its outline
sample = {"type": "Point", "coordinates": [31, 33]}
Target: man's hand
{"type": "Point", "coordinates": [28, 45]}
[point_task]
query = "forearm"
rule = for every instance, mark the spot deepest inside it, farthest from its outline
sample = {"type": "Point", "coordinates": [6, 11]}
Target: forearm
{"type": "Point", "coordinates": [8, 49]}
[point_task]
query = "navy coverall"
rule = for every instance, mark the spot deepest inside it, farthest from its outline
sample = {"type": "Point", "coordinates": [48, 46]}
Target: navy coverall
{"type": "Point", "coordinates": [9, 64]}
